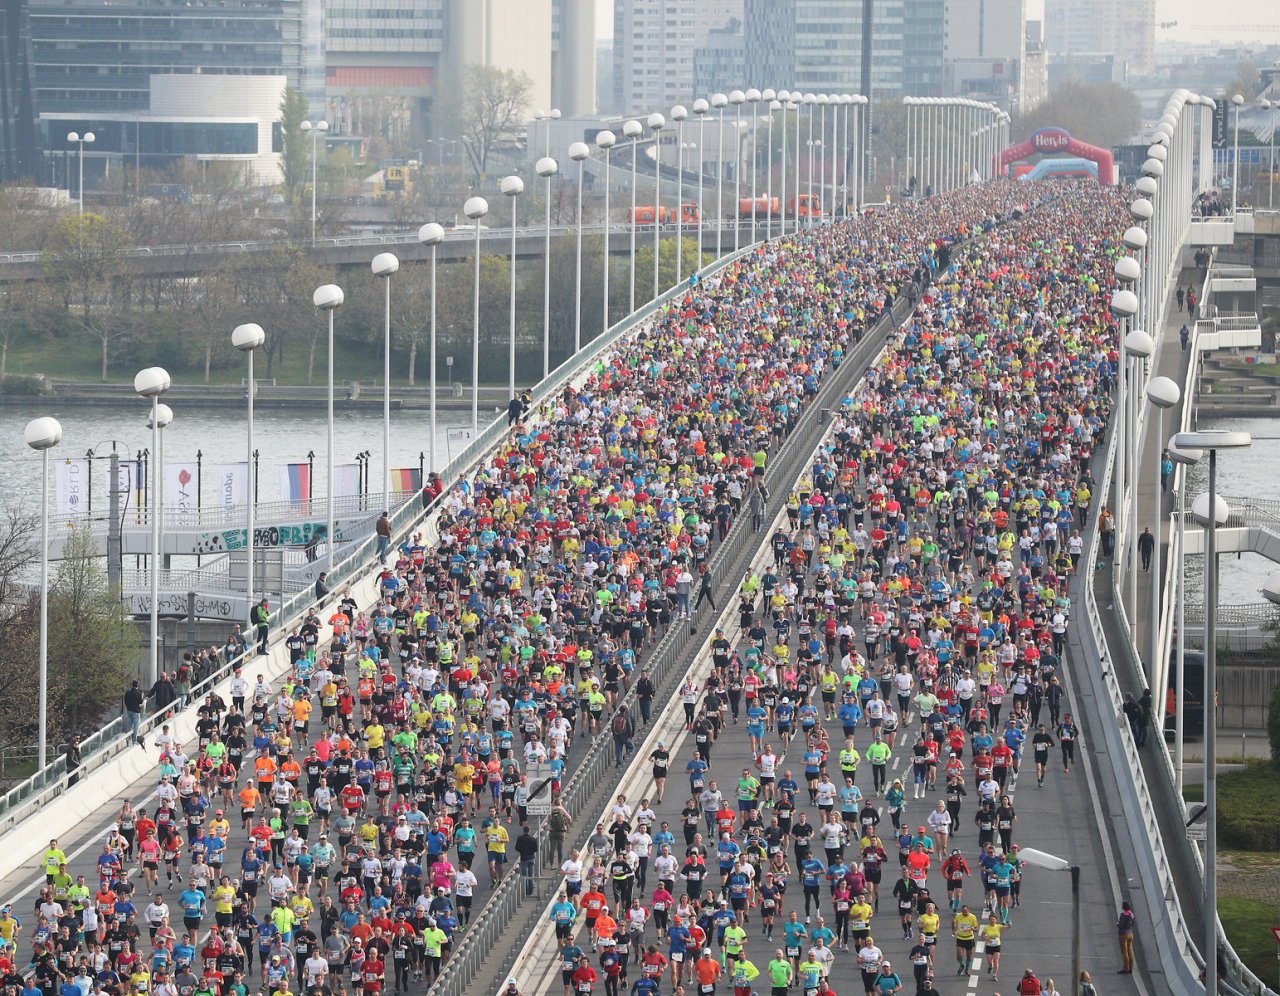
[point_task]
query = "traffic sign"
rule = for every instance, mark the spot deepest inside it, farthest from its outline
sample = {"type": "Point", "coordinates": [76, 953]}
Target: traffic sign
{"type": "Point", "coordinates": [538, 775]}
{"type": "Point", "coordinates": [1275, 932]}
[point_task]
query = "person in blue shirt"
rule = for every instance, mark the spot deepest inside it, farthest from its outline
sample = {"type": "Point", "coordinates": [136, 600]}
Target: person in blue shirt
{"type": "Point", "coordinates": [820, 931]}
{"type": "Point", "coordinates": [721, 920]}
{"type": "Point", "coordinates": [184, 951]}
{"type": "Point", "coordinates": [795, 936]}
{"type": "Point", "coordinates": [191, 902]}
{"type": "Point", "coordinates": [811, 873]}
{"type": "Point", "coordinates": [850, 714]}
{"type": "Point", "coordinates": [697, 769]}
{"type": "Point", "coordinates": [563, 915]}
{"type": "Point", "coordinates": [812, 765]}
{"type": "Point", "coordinates": [787, 787]}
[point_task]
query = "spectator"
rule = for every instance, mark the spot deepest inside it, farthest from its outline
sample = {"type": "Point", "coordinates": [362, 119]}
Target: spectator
{"type": "Point", "coordinates": [527, 849]}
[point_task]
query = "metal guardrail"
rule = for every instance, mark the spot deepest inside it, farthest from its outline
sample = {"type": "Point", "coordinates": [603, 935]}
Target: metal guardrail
{"type": "Point", "coordinates": [1246, 614]}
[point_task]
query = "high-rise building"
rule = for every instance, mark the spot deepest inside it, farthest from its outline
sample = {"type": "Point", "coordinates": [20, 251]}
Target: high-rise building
{"type": "Point", "coordinates": [987, 52]}
{"type": "Point", "coordinates": [654, 46]}
{"type": "Point", "coordinates": [19, 148]}
{"type": "Point", "coordinates": [1123, 28]}
{"type": "Point", "coordinates": [816, 46]}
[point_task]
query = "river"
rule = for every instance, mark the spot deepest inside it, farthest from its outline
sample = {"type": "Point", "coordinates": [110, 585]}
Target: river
{"type": "Point", "coordinates": [218, 434]}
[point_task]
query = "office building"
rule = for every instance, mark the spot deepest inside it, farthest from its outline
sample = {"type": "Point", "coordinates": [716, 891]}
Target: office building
{"type": "Point", "coordinates": [654, 46]}
{"type": "Point", "coordinates": [18, 146]}
{"type": "Point", "coordinates": [719, 65]}
{"type": "Point", "coordinates": [993, 53]}
{"type": "Point", "coordinates": [816, 46]}
{"type": "Point", "coordinates": [1124, 28]}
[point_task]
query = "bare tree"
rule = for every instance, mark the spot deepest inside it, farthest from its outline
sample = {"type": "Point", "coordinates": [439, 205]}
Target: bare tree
{"type": "Point", "coordinates": [493, 100]}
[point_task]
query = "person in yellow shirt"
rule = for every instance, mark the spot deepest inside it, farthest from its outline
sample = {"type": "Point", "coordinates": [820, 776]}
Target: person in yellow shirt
{"type": "Point", "coordinates": [990, 934]}
{"type": "Point", "coordinates": [496, 839]}
{"type": "Point", "coordinates": [224, 901]}
{"type": "Point", "coordinates": [929, 923]}
{"type": "Point", "coordinates": [375, 736]}
{"type": "Point", "coordinates": [964, 925]}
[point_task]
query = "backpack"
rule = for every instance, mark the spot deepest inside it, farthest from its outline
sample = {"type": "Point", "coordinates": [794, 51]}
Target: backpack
{"type": "Point", "coordinates": [620, 724]}
{"type": "Point", "coordinates": [556, 821]}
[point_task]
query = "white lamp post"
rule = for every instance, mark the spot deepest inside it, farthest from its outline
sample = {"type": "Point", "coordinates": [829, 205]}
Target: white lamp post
{"type": "Point", "coordinates": [578, 152]}
{"type": "Point", "coordinates": [432, 235]}
{"type": "Point", "coordinates": [247, 338]}
{"type": "Point", "coordinates": [81, 140]}
{"type": "Point", "coordinates": [43, 434]}
{"type": "Point", "coordinates": [753, 98]}
{"type": "Point", "coordinates": [512, 187]}
{"type": "Point", "coordinates": [1139, 347]}
{"type": "Point", "coordinates": [1236, 100]}
{"type": "Point", "coordinates": [797, 98]}
{"type": "Point", "coordinates": [384, 264]}
{"type": "Point", "coordinates": [1162, 393]}
{"type": "Point", "coordinates": [605, 141]}
{"type": "Point", "coordinates": [678, 115]}
{"type": "Point", "coordinates": [824, 101]}
{"type": "Point", "coordinates": [633, 129]}
{"type": "Point", "coordinates": [700, 108]}
{"type": "Point", "coordinates": [317, 129]}
{"type": "Point", "coordinates": [552, 115]}
{"type": "Point", "coordinates": [1051, 862]}
{"type": "Point", "coordinates": [159, 419]}
{"type": "Point", "coordinates": [1211, 442]}
{"type": "Point", "coordinates": [1270, 106]}
{"type": "Point", "coordinates": [772, 104]}
{"type": "Point", "coordinates": [1186, 458]}
{"type": "Point", "coordinates": [718, 101]}
{"type": "Point", "coordinates": [475, 208]}
{"type": "Point", "coordinates": [656, 123]}
{"type": "Point", "coordinates": [546, 168]}
{"type": "Point", "coordinates": [737, 98]}
{"type": "Point", "coordinates": [328, 298]}
{"type": "Point", "coordinates": [151, 383]}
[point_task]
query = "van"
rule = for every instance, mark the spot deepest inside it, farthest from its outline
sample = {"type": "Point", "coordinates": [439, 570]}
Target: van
{"type": "Point", "coordinates": [1193, 704]}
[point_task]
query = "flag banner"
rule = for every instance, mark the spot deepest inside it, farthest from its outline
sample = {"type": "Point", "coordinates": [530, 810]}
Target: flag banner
{"type": "Point", "coordinates": [406, 479]}
{"type": "Point", "coordinates": [180, 483]}
{"type": "Point", "coordinates": [71, 487]}
{"type": "Point", "coordinates": [232, 484]}
{"type": "Point", "coordinates": [346, 480]}
{"type": "Point", "coordinates": [295, 482]}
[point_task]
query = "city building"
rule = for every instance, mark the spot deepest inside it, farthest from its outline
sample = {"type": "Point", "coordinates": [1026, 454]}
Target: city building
{"type": "Point", "coordinates": [18, 148]}
{"type": "Point", "coordinates": [993, 53]}
{"type": "Point", "coordinates": [720, 64]}
{"type": "Point", "coordinates": [1124, 28]}
{"type": "Point", "coordinates": [816, 46]}
{"type": "Point", "coordinates": [654, 46]}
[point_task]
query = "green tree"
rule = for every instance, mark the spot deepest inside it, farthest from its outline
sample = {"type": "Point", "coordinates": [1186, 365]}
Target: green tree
{"type": "Point", "coordinates": [493, 101]}
{"type": "Point", "coordinates": [83, 253]}
{"type": "Point", "coordinates": [297, 145]}
{"type": "Point", "coordinates": [1273, 725]}
{"type": "Point", "coordinates": [1104, 114]}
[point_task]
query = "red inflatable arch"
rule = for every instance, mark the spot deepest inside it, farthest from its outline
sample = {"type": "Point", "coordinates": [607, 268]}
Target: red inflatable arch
{"type": "Point", "coordinates": [1056, 141]}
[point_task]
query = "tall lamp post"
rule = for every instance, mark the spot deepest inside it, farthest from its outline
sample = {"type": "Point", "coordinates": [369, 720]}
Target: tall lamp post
{"type": "Point", "coordinates": [475, 208]}
{"type": "Point", "coordinates": [81, 140]}
{"type": "Point", "coordinates": [784, 101]}
{"type": "Point", "coordinates": [1139, 347]}
{"type": "Point", "coordinates": [737, 98]}
{"type": "Point", "coordinates": [1162, 394]}
{"type": "Point", "coordinates": [578, 152]}
{"type": "Point", "coordinates": [753, 98]}
{"type": "Point", "coordinates": [605, 141]}
{"type": "Point", "coordinates": [1124, 306]}
{"type": "Point", "coordinates": [43, 434]}
{"type": "Point", "coordinates": [633, 129]}
{"type": "Point", "coordinates": [718, 101]}
{"type": "Point", "coordinates": [152, 382]}
{"type": "Point", "coordinates": [328, 298]}
{"type": "Point", "coordinates": [1051, 862]}
{"type": "Point", "coordinates": [1211, 442]}
{"type": "Point", "coordinates": [432, 235]}
{"type": "Point", "coordinates": [1186, 458]}
{"type": "Point", "coordinates": [771, 104]}
{"type": "Point", "coordinates": [547, 168]}
{"type": "Point", "coordinates": [247, 338]}
{"type": "Point", "coordinates": [384, 264]}
{"type": "Point", "coordinates": [678, 115]}
{"type": "Point", "coordinates": [512, 187]}
{"type": "Point", "coordinates": [1236, 100]}
{"type": "Point", "coordinates": [656, 123]}
{"type": "Point", "coordinates": [700, 108]}
{"type": "Point", "coordinates": [317, 129]}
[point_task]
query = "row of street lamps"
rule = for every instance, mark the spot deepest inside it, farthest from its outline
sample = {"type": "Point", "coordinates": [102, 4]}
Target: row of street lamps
{"type": "Point", "coordinates": [952, 141]}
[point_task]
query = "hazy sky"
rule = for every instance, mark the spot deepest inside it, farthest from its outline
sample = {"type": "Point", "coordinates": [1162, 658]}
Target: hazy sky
{"type": "Point", "coordinates": [1194, 19]}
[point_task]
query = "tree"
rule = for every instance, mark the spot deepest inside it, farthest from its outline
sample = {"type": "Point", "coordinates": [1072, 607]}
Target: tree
{"type": "Point", "coordinates": [22, 304]}
{"type": "Point", "coordinates": [275, 290]}
{"type": "Point", "coordinates": [1103, 114]}
{"type": "Point", "coordinates": [83, 253]}
{"type": "Point", "coordinates": [297, 145]}
{"type": "Point", "coordinates": [493, 100]}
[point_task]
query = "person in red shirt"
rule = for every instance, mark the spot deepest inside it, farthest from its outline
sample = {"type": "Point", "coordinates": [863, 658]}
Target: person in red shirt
{"type": "Point", "coordinates": [372, 972]}
{"type": "Point", "coordinates": [584, 976]}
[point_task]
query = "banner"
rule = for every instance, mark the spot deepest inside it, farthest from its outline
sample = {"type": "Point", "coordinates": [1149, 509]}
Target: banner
{"type": "Point", "coordinates": [346, 480]}
{"type": "Point", "coordinates": [180, 482]}
{"type": "Point", "coordinates": [295, 482]}
{"type": "Point", "coordinates": [406, 479]}
{"type": "Point", "coordinates": [232, 484]}
{"type": "Point", "coordinates": [71, 487]}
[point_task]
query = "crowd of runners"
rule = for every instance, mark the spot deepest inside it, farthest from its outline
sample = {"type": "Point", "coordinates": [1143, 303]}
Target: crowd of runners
{"type": "Point", "coordinates": [335, 831]}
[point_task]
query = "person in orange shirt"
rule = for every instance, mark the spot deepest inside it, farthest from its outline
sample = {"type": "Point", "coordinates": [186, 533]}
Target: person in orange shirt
{"type": "Point", "coordinates": [291, 770]}
{"type": "Point", "coordinates": [706, 970]}
{"type": "Point", "coordinates": [265, 768]}
{"type": "Point", "coordinates": [301, 718]}
{"type": "Point", "coordinates": [606, 926]}
{"type": "Point", "coordinates": [594, 903]}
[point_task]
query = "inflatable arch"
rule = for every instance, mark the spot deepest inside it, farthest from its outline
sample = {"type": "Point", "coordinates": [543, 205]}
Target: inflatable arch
{"type": "Point", "coordinates": [1056, 141]}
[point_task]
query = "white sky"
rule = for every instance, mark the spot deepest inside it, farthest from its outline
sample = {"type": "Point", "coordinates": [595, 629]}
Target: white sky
{"type": "Point", "coordinates": [1197, 21]}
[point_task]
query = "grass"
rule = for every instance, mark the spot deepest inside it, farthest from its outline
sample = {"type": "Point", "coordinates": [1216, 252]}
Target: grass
{"type": "Point", "coordinates": [1248, 924]}
{"type": "Point", "coordinates": [1248, 805]}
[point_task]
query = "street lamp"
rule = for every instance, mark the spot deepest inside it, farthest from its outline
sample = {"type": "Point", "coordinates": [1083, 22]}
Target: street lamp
{"type": "Point", "coordinates": [578, 152]}
{"type": "Point", "coordinates": [475, 208]}
{"type": "Point", "coordinates": [718, 101]}
{"type": "Point", "coordinates": [512, 187]}
{"type": "Point", "coordinates": [1270, 106]}
{"type": "Point", "coordinates": [656, 123]}
{"type": "Point", "coordinates": [1237, 100]}
{"type": "Point", "coordinates": [552, 115]}
{"type": "Point", "coordinates": [328, 298]}
{"type": "Point", "coordinates": [1139, 347]}
{"type": "Point", "coordinates": [432, 235]}
{"type": "Point", "coordinates": [81, 140]}
{"type": "Point", "coordinates": [152, 382]}
{"type": "Point", "coordinates": [678, 115]}
{"type": "Point", "coordinates": [753, 98]}
{"type": "Point", "coordinates": [824, 101]}
{"type": "Point", "coordinates": [1211, 441]}
{"type": "Point", "coordinates": [771, 104]}
{"type": "Point", "coordinates": [737, 98]}
{"type": "Point", "coordinates": [700, 107]}
{"type": "Point", "coordinates": [1185, 458]}
{"type": "Point", "coordinates": [43, 434]}
{"type": "Point", "coordinates": [1162, 393]}
{"type": "Point", "coordinates": [384, 264]}
{"type": "Point", "coordinates": [247, 338]}
{"type": "Point", "coordinates": [316, 130]}
{"type": "Point", "coordinates": [1051, 862]}
{"type": "Point", "coordinates": [633, 129]}
{"type": "Point", "coordinates": [785, 105]}
{"type": "Point", "coordinates": [547, 168]}
{"type": "Point", "coordinates": [605, 141]}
